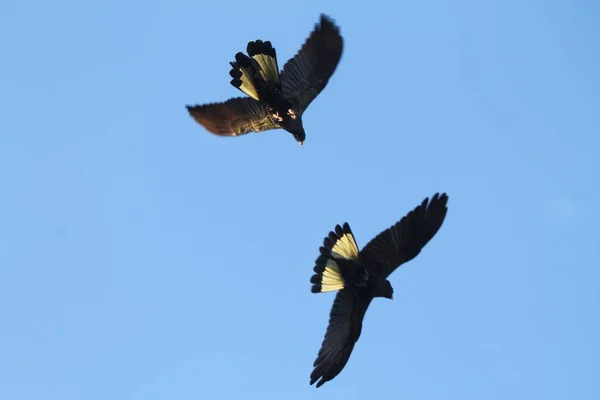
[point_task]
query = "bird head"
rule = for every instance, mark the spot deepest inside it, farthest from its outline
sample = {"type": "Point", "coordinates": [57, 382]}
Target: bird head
{"type": "Point", "coordinates": [388, 290]}
{"type": "Point", "coordinates": [300, 137]}
{"type": "Point", "coordinates": [298, 132]}
{"type": "Point", "coordinates": [294, 126]}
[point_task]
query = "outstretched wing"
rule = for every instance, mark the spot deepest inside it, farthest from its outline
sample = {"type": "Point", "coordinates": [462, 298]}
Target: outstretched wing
{"type": "Point", "coordinates": [305, 76]}
{"type": "Point", "coordinates": [345, 325]}
{"type": "Point", "coordinates": [404, 240]}
{"type": "Point", "coordinates": [233, 117]}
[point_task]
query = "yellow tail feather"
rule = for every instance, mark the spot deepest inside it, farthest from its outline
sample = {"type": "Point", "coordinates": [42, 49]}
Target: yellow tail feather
{"type": "Point", "coordinates": [268, 67]}
{"type": "Point", "coordinates": [331, 277]}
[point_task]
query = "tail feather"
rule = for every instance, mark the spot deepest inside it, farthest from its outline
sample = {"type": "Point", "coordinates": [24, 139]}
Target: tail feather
{"type": "Point", "coordinates": [244, 73]}
{"type": "Point", "coordinates": [266, 57]}
{"type": "Point", "coordinates": [339, 244]}
{"type": "Point", "coordinates": [256, 72]}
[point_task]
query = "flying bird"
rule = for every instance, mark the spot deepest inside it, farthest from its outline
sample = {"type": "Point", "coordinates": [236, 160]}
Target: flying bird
{"type": "Point", "coordinates": [360, 276]}
{"type": "Point", "coordinates": [276, 100]}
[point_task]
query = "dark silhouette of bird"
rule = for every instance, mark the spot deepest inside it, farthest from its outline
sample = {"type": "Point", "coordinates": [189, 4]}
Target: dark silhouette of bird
{"type": "Point", "coordinates": [360, 276]}
{"type": "Point", "coordinates": [276, 100]}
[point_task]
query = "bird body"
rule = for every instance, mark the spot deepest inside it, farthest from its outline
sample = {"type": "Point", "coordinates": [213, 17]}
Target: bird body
{"type": "Point", "coordinates": [257, 75]}
{"type": "Point", "coordinates": [275, 100]}
{"type": "Point", "coordinates": [360, 276]}
{"type": "Point", "coordinates": [357, 276]}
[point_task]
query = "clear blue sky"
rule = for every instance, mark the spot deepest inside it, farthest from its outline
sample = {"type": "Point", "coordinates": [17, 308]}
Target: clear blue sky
{"type": "Point", "coordinates": [143, 258]}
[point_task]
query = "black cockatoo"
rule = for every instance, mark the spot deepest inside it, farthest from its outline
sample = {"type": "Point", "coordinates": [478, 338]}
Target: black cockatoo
{"type": "Point", "coordinates": [276, 100]}
{"type": "Point", "coordinates": [360, 276]}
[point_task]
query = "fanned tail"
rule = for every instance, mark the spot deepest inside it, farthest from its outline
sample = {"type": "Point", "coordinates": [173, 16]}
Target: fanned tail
{"type": "Point", "coordinates": [257, 71]}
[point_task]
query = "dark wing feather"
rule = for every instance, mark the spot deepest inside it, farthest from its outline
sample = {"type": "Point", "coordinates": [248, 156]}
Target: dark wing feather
{"type": "Point", "coordinates": [345, 325]}
{"type": "Point", "coordinates": [404, 240]}
{"type": "Point", "coordinates": [233, 117]}
{"type": "Point", "coordinates": [305, 76]}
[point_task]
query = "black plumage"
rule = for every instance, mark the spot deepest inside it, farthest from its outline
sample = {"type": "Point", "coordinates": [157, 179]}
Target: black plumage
{"type": "Point", "coordinates": [276, 100]}
{"type": "Point", "coordinates": [360, 276]}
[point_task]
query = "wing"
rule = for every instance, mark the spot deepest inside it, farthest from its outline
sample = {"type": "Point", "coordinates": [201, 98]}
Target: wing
{"type": "Point", "coordinates": [305, 76]}
{"type": "Point", "coordinates": [404, 240]}
{"type": "Point", "coordinates": [234, 117]}
{"type": "Point", "coordinates": [345, 325]}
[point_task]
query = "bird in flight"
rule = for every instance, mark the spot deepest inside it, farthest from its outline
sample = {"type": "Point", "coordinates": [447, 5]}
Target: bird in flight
{"type": "Point", "coordinates": [276, 100]}
{"type": "Point", "coordinates": [360, 276]}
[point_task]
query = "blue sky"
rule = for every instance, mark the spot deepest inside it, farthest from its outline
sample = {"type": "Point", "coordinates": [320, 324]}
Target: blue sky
{"type": "Point", "coordinates": [143, 258]}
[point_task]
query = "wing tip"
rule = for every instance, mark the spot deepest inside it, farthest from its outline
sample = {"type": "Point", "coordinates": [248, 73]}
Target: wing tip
{"type": "Point", "coordinates": [438, 200]}
{"type": "Point", "coordinates": [325, 19]}
{"type": "Point", "coordinates": [317, 376]}
{"type": "Point", "coordinates": [329, 25]}
{"type": "Point", "coordinates": [319, 384]}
